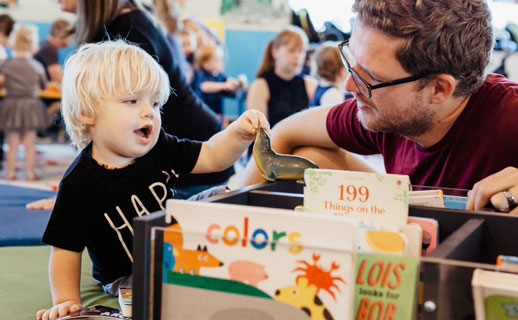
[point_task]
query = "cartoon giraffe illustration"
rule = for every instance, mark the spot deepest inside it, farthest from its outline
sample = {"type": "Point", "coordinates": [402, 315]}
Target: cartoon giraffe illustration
{"type": "Point", "coordinates": [304, 294]}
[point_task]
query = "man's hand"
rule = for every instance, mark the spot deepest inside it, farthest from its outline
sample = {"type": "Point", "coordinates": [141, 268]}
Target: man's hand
{"type": "Point", "coordinates": [500, 188]}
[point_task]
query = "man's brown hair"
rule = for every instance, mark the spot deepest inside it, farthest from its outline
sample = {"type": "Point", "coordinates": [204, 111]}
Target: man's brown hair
{"type": "Point", "coordinates": [439, 36]}
{"type": "Point", "coordinates": [60, 29]}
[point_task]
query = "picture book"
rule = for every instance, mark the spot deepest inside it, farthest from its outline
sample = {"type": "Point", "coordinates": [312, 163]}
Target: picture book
{"type": "Point", "coordinates": [495, 295]}
{"type": "Point", "coordinates": [507, 263]}
{"type": "Point", "coordinates": [405, 240]}
{"type": "Point", "coordinates": [224, 261]}
{"type": "Point", "coordinates": [430, 229]}
{"type": "Point", "coordinates": [455, 202]}
{"type": "Point", "coordinates": [428, 198]}
{"type": "Point", "coordinates": [386, 287]}
{"type": "Point", "coordinates": [370, 198]}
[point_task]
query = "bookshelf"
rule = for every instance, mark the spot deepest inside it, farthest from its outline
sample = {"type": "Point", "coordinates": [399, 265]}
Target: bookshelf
{"type": "Point", "coordinates": [468, 240]}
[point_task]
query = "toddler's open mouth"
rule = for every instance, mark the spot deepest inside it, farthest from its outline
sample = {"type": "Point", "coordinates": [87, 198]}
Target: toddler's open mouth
{"type": "Point", "coordinates": [145, 131]}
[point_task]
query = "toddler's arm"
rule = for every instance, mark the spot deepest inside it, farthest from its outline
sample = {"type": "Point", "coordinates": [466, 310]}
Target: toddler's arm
{"type": "Point", "coordinates": [64, 273]}
{"type": "Point", "coordinates": [225, 147]}
{"type": "Point", "coordinates": [230, 85]}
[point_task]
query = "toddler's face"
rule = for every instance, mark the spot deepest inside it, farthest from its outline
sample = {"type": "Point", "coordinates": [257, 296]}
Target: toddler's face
{"type": "Point", "coordinates": [126, 128]}
{"type": "Point", "coordinates": [215, 63]}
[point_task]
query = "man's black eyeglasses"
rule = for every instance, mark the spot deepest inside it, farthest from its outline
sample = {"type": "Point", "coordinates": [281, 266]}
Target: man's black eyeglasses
{"type": "Point", "coordinates": [364, 87]}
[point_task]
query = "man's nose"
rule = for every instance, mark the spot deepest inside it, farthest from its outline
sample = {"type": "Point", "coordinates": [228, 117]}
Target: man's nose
{"type": "Point", "coordinates": [350, 85]}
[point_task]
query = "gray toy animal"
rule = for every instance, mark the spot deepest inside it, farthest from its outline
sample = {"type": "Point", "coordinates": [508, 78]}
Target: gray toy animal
{"type": "Point", "coordinates": [276, 166]}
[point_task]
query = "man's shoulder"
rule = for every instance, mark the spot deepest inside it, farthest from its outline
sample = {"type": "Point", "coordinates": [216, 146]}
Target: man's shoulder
{"type": "Point", "coordinates": [497, 86]}
{"type": "Point", "coordinates": [345, 106]}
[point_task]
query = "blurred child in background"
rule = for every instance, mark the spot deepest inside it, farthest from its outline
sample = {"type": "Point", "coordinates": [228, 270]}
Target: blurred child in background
{"type": "Point", "coordinates": [48, 55]}
{"type": "Point", "coordinates": [22, 112]}
{"type": "Point", "coordinates": [210, 83]}
{"type": "Point", "coordinates": [332, 75]}
{"type": "Point", "coordinates": [168, 12]}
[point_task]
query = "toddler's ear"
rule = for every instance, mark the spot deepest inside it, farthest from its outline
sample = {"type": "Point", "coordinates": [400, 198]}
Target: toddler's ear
{"type": "Point", "coordinates": [87, 119]}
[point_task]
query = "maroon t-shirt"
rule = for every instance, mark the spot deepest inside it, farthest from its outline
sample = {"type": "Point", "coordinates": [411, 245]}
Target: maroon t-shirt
{"type": "Point", "coordinates": [482, 141]}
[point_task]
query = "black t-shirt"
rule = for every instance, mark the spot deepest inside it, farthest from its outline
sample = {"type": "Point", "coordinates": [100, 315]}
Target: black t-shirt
{"type": "Point", "coordinates": [47, 55]}
{"type": "Point", "coordinates": [184, 115]}
{"type": "Point", "coordinates": [95, 206]}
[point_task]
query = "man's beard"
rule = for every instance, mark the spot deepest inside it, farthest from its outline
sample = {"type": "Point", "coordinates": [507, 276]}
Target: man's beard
{"type": "Point", "coordinates": [412, 122]}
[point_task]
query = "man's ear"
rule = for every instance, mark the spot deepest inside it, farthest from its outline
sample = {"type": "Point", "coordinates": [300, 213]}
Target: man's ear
{"type": "Point", "coordinates": [443, 87]}
{"type": "Point", "coordinates": [87, 119]}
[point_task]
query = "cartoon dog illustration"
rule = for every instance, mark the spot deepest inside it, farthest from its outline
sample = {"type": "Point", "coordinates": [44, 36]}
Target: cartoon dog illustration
{"type": "Point", "coordinates": [190, 261]}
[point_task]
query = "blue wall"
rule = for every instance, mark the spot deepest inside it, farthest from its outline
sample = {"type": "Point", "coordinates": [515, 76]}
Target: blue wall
{"type": "Point", "coordinates": [244, 50]}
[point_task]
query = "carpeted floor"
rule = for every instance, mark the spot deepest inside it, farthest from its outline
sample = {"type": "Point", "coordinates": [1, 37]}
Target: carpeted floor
{"type": "Point", "coordinates": [51, 162]}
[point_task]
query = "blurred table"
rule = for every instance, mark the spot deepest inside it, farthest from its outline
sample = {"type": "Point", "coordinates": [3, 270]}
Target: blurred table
{"type": "Point", "coordinates": [50, 94]}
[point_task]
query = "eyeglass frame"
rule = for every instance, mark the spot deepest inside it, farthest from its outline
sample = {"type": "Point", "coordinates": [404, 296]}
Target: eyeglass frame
{"type": "Point", "coordinates": [369, 86]}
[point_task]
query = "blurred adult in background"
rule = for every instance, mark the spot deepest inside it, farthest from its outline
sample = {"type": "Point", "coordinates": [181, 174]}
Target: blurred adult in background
{"type": "Point", "coordinates": [6, 26]}
{"type": "Point", "coordinates": [167, 11]}
{"type": "Point", "coordinates": [59, 37]}
{"type": "Point", "coordinates": [184, 114]}
{"type": "Point", "coordinates": [279, 90]}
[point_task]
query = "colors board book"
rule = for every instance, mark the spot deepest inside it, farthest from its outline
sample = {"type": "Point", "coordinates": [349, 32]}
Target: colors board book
{"type": "Point", "coordinates": [270, 263]}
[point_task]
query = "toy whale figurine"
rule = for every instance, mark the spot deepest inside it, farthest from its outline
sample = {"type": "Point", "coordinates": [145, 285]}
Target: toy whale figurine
{"type": "Point", "coordinates": [276, 166]}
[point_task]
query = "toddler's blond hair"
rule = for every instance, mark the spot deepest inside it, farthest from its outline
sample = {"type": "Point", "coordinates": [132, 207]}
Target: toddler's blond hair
{"type": "Point", "coordinates": [106, 70]}
{"type": "Point", "coordinates": [24, 38]}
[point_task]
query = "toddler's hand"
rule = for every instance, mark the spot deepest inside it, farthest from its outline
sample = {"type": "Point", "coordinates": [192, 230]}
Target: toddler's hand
{"type": "Point", "coordinates": [59, 310]}
{"type": "Point", "coordinates": [249, 122]}
{"type": "Point", "coordinates": [231, 84]}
